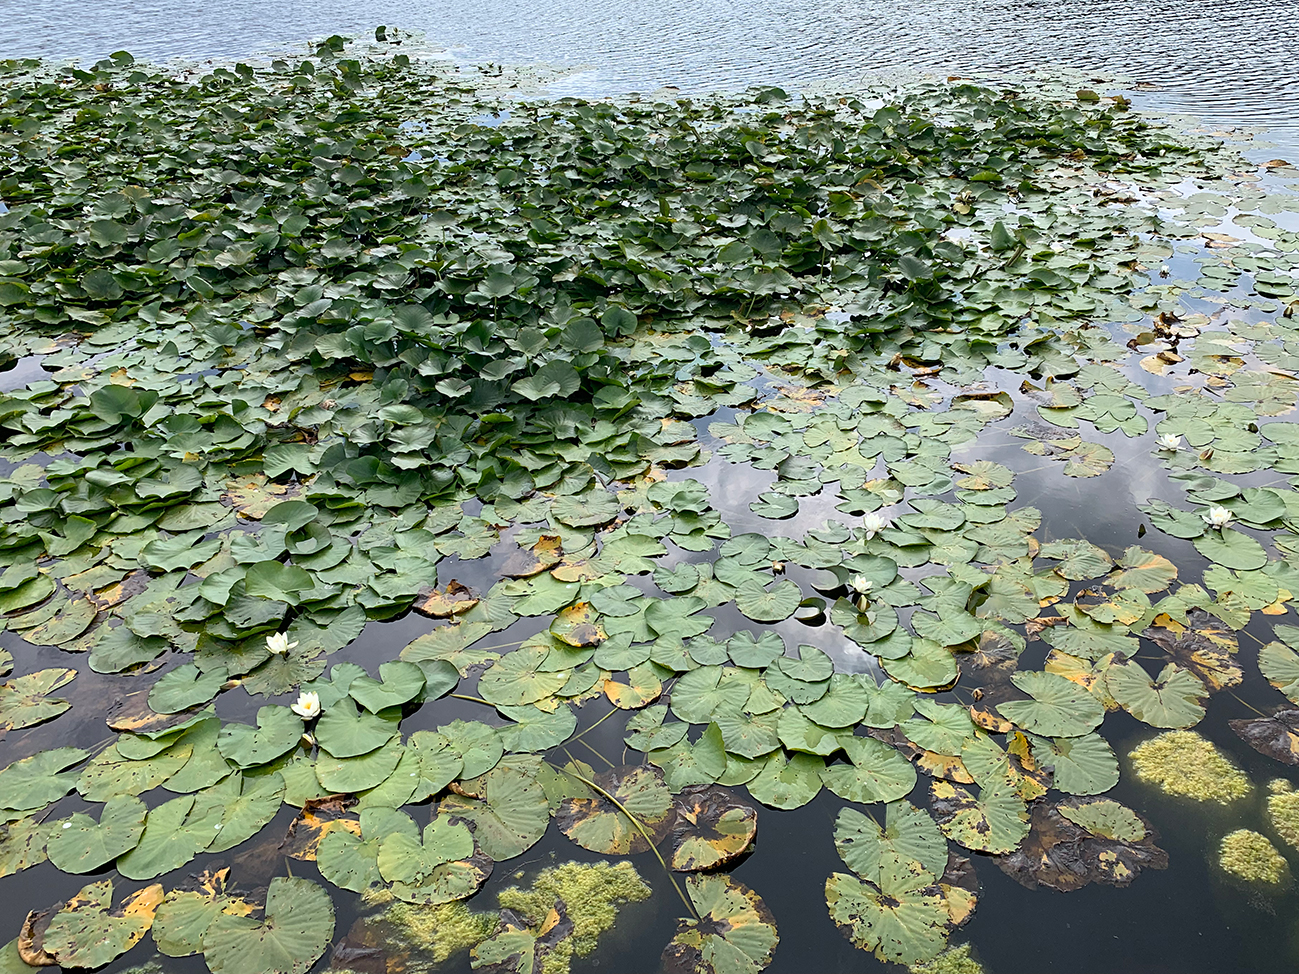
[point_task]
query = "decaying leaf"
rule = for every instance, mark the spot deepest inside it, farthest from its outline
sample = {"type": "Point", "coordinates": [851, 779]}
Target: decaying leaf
{"type": "Point", "coordinates": [454, 600]}
{"type": "Point", "coordinates": [1067, 855]}
{"type": "Point", "coordinates": [712, 830]}
{"type": "Point", "coordinates": [1276, 736]}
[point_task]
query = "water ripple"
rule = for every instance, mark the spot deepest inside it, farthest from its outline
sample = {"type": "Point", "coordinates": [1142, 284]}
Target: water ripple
{"type": "Point", "coordinates": [1231, 62]}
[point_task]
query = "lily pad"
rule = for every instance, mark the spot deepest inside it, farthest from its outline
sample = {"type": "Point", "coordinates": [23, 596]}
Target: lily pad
{"type": "Point", "coordinates": [1059, 708]}
{"type": "Point", "coordinates": [613, 826]}
{"type": "Point", "coordinates": [735, 932]}
{"type": "Point", "coordinates": [297, 926]}
{"type": "Point", "coordinates": [1170, 700]}
{"type": "Point", "coordinates": [509, 817]}
{"type": "Point", "coordinates": [713, 829]}
{"type": "Point", "coordinates": [82, 845]}
{"type": "Point", "coordinates": [88, 932]}
{"type": "Point", "coordinates": [901, 916]}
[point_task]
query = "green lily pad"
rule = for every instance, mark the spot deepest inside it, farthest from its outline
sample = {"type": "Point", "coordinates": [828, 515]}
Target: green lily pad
{"type": "Point", "coordinates": [1081, 765]}
{"type": "Point", "coordinates": [37, 781]}
{"type": "Point", "coordinates": [344, 731]}
{"type": "Point", "coordinates": [359, 773]}
{"type": "Point", "coordinates": [685, 764]}
{"type": "Point", "coordinates": [184, 687]}
{"type": "Point", "coordinates": [168, 842]}
{"type": "Point", "coordinates": [509, 816]}
{"type": "Point", "coordinates": [774, 604]}
{"type": "Point", "coordinates": [908, 834]}
{"type": "Point", "coordinates": [876, 773]}
{"type": "Point", "coordinates": [278, 731]}
{"type": "Point", "coordinates": [82, 845]}
{"type": "Point", "coordinates": [1059, 708]}
{"type": "Point", "coordinates": [479, 746]}
{"type": "Point", "coordinates": [297, 926]}
{"type": "Point", "coordinates": [1170, 700]}
{"type": "Point", "coordinates": [238, 808]}
{"type": "Point", "coordinates": [1231, 549]}
{"type": "Point", "coordinates": [518, 678]}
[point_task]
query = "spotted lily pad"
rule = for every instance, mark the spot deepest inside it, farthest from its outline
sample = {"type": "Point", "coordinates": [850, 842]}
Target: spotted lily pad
{"type": "Point", "coordinates": [712, 829]}
{"type": "Point", "coordinates": [900, 916]}
{"type": "Point", "coordinates": [639, 812]}
{"type": "Point", "coordinates": [88, 932]}
{"type": "Point", "coordinates": [735, 930]}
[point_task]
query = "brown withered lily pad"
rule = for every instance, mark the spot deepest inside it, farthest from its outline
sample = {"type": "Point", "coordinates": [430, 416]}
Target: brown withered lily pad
{"type": "Point", "coordinates": [31, 939]}
{"type": "Point", "coordinates": [1080, 841]}
{"type": "Point", "coordinates": [960, 888]}
{"type": "Point", "coordinates": [577, 626]}
{"type": "Point", "coordinates": [132, 714]}
{"type": "Point", "coordinates": [610, 820]}
{"type": "Point", "coordinates": [1206, 647]}
{"type": "Point", "coordinates": [88, 931]}
{"type": "Point", "coordinates": [527, 562]}
{"type": "Point", "coordinates": [712, 829]}
{"type": "Point", "coordinates": [447, 602]}
{"type": "Point", "coordinates": [1276, 736]}
{"type": "Point", "coordinates": [319, 817]}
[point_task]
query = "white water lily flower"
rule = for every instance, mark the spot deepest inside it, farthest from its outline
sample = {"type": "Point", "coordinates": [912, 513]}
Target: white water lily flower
{"type": "Point", "coordinates": [1218, 517]}
{"type": "Point", "coordinates": [874, 524]}
{"type": "Point", "coordinates": [308, 705]}
{"type": "Point", "coordinates": [1164, 270]}
{"type": "Point", "coordinates": [861, 584]}
{"type": "Point", "coordinates": [277, 643]}
{"type": "Point", "coordinates": [1169, 441]}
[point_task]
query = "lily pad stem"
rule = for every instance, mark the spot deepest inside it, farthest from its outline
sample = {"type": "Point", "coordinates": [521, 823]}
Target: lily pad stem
{"type": "Point", "coordinates": [649, 839]}
{"type": "Point", "coordinates": [578, 737]}
{"type": "Point", "coordinates": [465, 696]}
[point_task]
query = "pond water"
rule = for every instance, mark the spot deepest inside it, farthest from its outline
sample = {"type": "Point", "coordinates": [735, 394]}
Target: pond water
{"type": "Point", "coordinates": [1233, 64]}
{"type": "Point", "coordinates": [1230, 62]}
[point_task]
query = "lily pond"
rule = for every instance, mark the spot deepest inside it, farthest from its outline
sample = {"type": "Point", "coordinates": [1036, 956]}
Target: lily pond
{"type": "Point", "coordinates": [446, 530]}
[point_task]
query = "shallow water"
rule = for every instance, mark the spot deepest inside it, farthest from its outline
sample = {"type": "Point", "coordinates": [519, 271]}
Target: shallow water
{"type": "Point", "coordinates": [1230, 62]}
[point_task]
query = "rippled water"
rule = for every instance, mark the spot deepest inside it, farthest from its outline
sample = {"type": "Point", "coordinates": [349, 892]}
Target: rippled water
{"type": "Point", "coordinates": [1231, 62]}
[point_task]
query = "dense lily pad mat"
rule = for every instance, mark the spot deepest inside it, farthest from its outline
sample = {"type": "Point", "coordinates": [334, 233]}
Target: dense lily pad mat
{"type": "Point", "coordinates": [319, 332]}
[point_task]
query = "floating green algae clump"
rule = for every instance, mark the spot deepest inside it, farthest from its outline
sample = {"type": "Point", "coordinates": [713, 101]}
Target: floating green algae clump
{"type": "Point", "coordinates": [1251, 857]}
{"type": "Point", "coordinates": [1283, 810]}
{"type": "Point", "coordinates": [1186, 764]}
{"type": "Point", "coordinates": [441, 930]}
{"type": "Point", "coordinates": [954, 960]}
{"type": "Point", "coordinates": [591, 894]}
